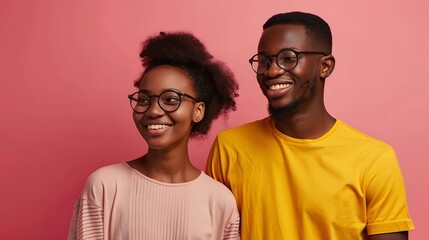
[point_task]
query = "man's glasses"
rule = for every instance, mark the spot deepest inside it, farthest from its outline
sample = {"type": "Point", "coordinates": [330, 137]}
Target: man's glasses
{"type": "Point", "coordinates": [169, 100]}
{"type": "Point", "coordinates": [286, 59]}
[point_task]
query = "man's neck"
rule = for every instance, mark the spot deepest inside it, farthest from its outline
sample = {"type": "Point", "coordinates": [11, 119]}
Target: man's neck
{"type": "Point", "coordinates": [305, 126]}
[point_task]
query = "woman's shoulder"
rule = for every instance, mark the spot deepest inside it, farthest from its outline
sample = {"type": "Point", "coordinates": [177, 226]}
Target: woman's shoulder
{"type": "Point", "coordinates": [214, 189]}
{"type": "Point", "coordinates": [217, 197]}
{"type": "Point", "coordinates": [108, 175]}
{"type": "Point", "coordinates": [109, 171]}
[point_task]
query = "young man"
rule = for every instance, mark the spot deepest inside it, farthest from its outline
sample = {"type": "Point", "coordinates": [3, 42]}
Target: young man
{"type": "Point", "coordinates": [301, 173]}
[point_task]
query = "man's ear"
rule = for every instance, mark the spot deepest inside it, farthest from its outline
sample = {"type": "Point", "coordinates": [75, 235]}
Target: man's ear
{"type": "Point", "coordinates": [327, 65]}
{"type": "Point", "coordinates": [199, 110]}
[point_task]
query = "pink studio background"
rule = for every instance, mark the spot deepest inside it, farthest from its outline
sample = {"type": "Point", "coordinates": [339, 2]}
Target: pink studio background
{"type": "Point", "coordinates": [68, 65]}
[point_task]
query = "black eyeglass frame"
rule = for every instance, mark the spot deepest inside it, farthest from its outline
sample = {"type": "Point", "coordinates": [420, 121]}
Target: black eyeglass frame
{"type": "Point", "coordinates": [297, 53]}
{"type": "Point", "coordinates": [180, 94]}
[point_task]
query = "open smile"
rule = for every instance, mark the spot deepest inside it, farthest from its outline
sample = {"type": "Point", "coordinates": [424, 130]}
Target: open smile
{"type": "Point", "coordinates": [157, 126]}
{"type": "Point", "coordinates": [279, 86]}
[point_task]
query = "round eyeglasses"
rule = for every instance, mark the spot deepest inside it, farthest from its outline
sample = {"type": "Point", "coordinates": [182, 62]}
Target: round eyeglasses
{"type": "Point", "coordinates": [286, 59]}
{"type": "Point", "coordinates": [168, 100]}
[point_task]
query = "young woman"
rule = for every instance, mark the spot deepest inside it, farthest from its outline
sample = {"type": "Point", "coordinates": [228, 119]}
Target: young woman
{"type": "Point", "coordinates": [161, 195]}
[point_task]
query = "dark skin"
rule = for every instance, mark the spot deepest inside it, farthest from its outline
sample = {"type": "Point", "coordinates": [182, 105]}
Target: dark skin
{"type": "Point", "coordinates": [311, 119]}
{"type": "Point", "coordinates": [167, 158]}
{"type": "Point", "coordinates": [389, 236]}
{"type": "Point", "coordinates": [303, 84]}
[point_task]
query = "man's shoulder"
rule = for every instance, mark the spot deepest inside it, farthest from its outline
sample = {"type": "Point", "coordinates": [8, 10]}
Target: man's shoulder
{"type": "Point", "coordinates": [358, 135]}
{"type": "Point", "coordinates": [247, 128]}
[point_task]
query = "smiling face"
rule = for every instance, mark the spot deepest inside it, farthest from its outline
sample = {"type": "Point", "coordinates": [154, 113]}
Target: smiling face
{"type": "Point", "coordinates": [162, 130]}
{"type": "Point", "coordinates": [293, 90]}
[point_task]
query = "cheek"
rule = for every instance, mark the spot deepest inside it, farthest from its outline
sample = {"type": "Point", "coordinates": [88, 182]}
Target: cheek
{"type": "Point", "coordinates": [184, 115]}
{"type": "Point", "coordinates": [137, 118]}
{"type": "Point", "coordinates": [307, 68]}
{"type": "Point", "coordinates": [260, 79]}
{"type": "Point", "coordinates": [308, 85]}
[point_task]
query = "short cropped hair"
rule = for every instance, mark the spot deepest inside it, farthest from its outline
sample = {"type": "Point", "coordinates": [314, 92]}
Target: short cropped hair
{"type": "Point", "coordinates": [316, 28]}
{"type": "Point", "coordinates": [214, 82]}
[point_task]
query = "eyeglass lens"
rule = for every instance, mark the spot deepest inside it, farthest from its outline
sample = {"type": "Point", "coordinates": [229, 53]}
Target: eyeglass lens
{"type": "Point", "coordinates": [285, 59]}
{"type": "Point", "coordinates": [169, 101]}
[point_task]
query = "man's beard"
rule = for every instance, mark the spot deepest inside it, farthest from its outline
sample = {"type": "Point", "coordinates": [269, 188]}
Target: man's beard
{"type": "Point", "coordinates": [285, 111]}
{"type": "Point", "coordinates": [291, 108]}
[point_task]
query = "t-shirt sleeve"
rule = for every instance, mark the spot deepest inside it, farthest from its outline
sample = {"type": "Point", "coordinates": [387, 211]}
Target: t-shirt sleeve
{"type": "Point", "coordinates": [211, 160]}
{"type": "Point", "coordinates": [215, 162]}
{"type": "Point", "coordinates": [386, 199]}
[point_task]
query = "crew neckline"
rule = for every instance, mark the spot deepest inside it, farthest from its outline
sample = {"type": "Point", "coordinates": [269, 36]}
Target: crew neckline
{"type": "Point", "coordinates": [304, 140]}
{"type": "Point", "coordinates": [162, 183]}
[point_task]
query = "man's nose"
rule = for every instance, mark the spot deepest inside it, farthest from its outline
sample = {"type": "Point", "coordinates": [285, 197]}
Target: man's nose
{"type": "Point", "coordinates": [273, 69]}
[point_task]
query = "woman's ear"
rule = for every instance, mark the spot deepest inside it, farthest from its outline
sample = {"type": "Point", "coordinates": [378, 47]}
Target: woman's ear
{"type": "Point", "coordinates": [328, 65]}
{"type": "Point", "coordinates": [199, 109]}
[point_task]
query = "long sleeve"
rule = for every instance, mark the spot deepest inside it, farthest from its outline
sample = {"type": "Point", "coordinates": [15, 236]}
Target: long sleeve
{"type": "Point", "coordinates": [87, 221]}
{"type": "Point", "coordinates": [232, 230]}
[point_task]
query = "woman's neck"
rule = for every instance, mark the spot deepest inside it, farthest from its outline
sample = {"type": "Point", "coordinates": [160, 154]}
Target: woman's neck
{"type": "Point", "coordinates": [164, 166]}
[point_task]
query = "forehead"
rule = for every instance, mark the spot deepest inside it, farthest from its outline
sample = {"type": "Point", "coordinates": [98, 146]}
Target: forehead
{"type": "Point", "coordinates": [166, 77]}
{"type": "Point", "coordinates": [281, 36]}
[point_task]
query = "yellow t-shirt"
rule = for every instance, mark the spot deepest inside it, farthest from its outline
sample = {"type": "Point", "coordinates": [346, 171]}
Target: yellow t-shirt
{"type": "Point", "coordinates": [343, 185]}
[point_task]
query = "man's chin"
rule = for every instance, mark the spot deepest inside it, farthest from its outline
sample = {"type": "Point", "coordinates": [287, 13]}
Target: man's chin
{"type": "Point", "coordinates": [282, 112]}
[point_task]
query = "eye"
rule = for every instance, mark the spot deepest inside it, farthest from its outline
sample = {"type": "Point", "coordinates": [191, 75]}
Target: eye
{"type": "Point", "coordinates": [261, 60]}
{"type": "Point", "coordinates": [170, 98]}
{"type": "Point", "coordinates": [287, 59]}
{"type": "Point", "coordinates": [143, 101]}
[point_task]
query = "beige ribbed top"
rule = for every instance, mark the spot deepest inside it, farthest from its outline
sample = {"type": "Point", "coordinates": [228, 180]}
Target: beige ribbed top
{"type": "Point", "coordinates": [118, 202]}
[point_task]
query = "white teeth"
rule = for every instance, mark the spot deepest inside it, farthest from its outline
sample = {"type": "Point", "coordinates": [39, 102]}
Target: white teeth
{"type": "Point", "coordinates": [279, 86]}
{"type": "Point", "coordinates": [156, 126]}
